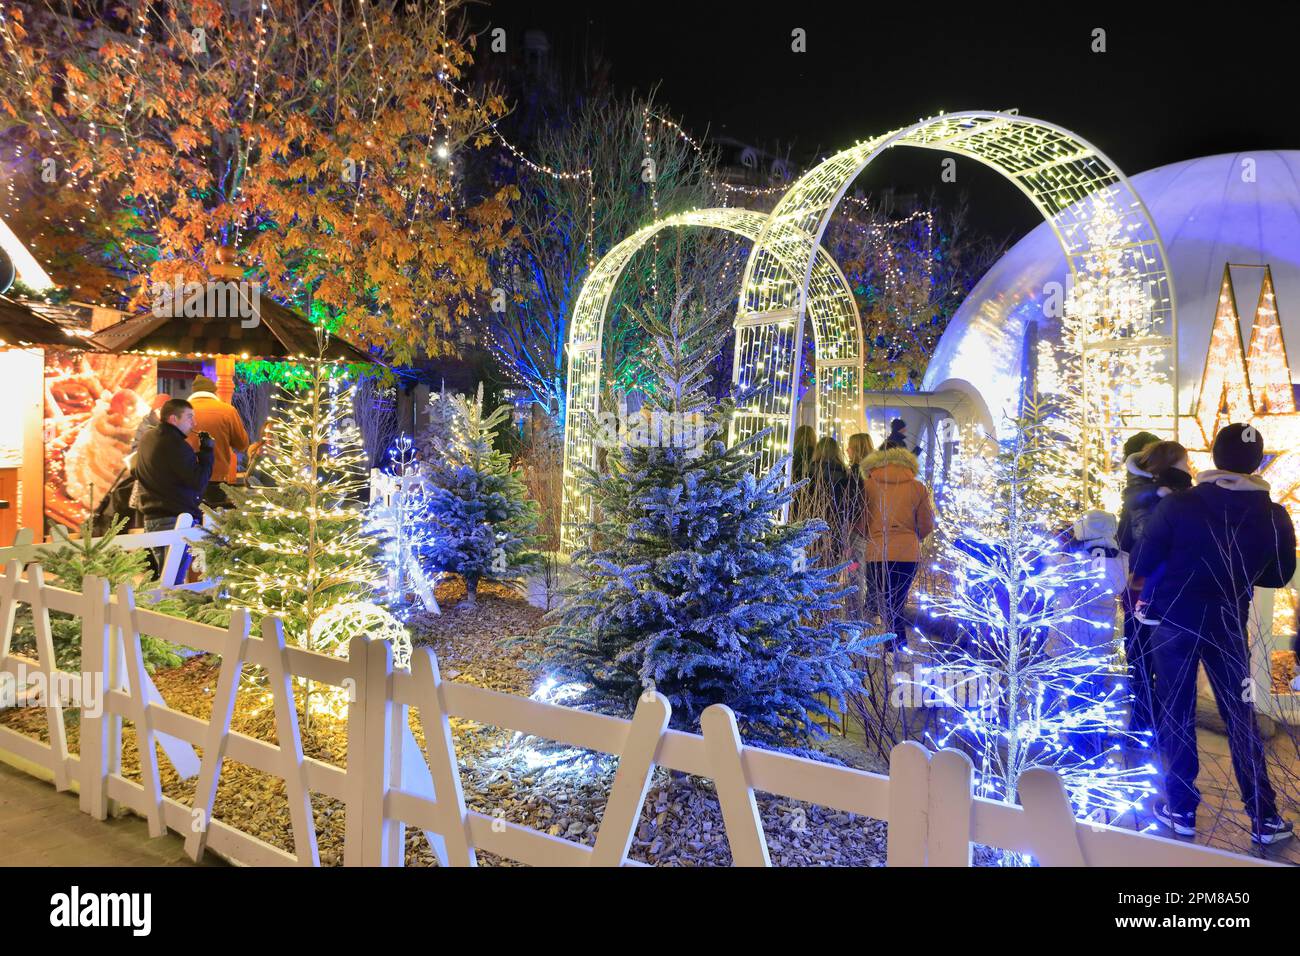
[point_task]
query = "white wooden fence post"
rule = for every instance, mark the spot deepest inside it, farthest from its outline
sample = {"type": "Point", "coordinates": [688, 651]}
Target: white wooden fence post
{"type": "Point", "coordinates": [49, 668]}
{"type": "Point", "coordinates": [735, 795]}
{"type": "Point", "coordinates": [233, 655]}
{"type": "Point", "coordinates": [636, 764]}
{"type": "Point", "coordinates": [145, 737]}
{"type": "Point", "coordinates": [909, 804]}
{"type": "Point", "coordinates": [949, 822]}
{"type": "Point", "coordinates": [355, 780]}
{"type": "Point", "coordinates": [293, 764]}
{"type": "Point", "coordinates": [440, 751]}
{"type": "Point", "coordinates": [172, 556]}
{"type": "Point", "coordinates": [1053, 829]}
{"type": "Point", "coordinates": [381, 841]}
{"type": "Point", "coordinates": [96, 644]}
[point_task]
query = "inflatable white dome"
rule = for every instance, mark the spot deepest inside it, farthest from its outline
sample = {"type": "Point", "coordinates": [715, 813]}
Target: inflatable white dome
{"type": "Point", "coordinates": [1240, 208]}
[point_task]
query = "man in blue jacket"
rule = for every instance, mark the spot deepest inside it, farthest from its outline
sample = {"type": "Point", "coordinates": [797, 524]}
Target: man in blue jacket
{"type": "Point", "coordinates": [1217, 542]}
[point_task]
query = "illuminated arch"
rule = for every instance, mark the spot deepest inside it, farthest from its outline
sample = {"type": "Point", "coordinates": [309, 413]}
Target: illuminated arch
{"type": "Point", "coordinates": [837, 338]}
{"type": "Point", "coordinates": [1124, 293]}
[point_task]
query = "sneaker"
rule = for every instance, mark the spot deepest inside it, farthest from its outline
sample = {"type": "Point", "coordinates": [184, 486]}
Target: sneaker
{"type": "Point", "coordinates": [1272, 829]}
{"type": "Point", "coordinates": [1184, 824]}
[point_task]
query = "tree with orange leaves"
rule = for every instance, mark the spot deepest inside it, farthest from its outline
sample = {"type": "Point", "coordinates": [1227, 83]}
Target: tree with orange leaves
{"type": "Point", "coordinates": [319, 138]}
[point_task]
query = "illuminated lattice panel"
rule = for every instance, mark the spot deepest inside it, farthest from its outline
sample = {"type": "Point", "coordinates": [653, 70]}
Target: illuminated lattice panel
{"type": "Point", "coordinates": [1103, 227]}
{"type": "Point", "coordinates": [833, 315]}
{"type": "Point", "coordinates": [1266, 358]}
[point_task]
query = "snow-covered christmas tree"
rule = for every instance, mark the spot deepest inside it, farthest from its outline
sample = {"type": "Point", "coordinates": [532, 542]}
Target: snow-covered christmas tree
{"type": "Point", "coordinates": [690, 582]}
{"type": "Point", "coordinates": [482, 525]}
{"type": "Point", "coordinates": [1032, 680]}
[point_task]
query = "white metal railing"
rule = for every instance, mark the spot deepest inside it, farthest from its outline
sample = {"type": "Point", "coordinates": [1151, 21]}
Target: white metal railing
{"type": "Point", "coordinates": [390, 782]}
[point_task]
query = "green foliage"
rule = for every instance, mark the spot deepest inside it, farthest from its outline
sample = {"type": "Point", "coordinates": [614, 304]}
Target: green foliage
{"type": "Point", "coordinates": [295, 377]}
{"type": "Point", "coordinates": [67, 567]}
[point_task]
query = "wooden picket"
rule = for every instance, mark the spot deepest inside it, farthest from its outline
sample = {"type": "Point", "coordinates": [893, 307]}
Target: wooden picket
{"type": "Point", "coordinates": [390, 782]}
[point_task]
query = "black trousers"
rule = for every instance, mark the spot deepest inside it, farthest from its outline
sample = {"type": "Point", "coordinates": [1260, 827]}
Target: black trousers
{"type": "Point", "coordinates": [1141, 670]}
{"type": "Point", "coordinates": [888, 584]}
{"type": "Point", "coordinates": [1222, 651]}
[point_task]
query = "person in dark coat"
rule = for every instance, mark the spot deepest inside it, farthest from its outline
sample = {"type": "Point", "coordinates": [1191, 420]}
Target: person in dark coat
{"type": "Point", "coordinates": [171, 475]}
{"type": "Point", "coordinates": [805, 444]}
{"type": "Point", "coordinates": [1207, 549]}
{"type": "Point", "coordinates": [1160, 469]}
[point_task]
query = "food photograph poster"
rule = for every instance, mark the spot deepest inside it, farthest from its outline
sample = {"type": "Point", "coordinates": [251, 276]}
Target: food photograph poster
{"type": "Point", "coordinates": [93, 405]}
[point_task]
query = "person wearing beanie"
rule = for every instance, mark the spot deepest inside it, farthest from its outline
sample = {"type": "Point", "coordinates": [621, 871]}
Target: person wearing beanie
{"type": "Point", "coordinates": [1160, 469]}
{"type": "Point", "coordinates": [1211, 546]}
{"type": "Point", "coordinates": [222, 422]}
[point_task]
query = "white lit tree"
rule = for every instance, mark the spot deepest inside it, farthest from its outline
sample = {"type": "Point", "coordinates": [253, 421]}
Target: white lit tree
{"type": "Point", "coordinates": [295, 546]}
{"type": "Point", "coordinates": [1030, 682]}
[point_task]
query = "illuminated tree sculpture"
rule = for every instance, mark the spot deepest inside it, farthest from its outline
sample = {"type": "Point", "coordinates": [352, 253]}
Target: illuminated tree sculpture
{"type": "Point", "coordinates": [296, 545]}
{"type": "Point", "coordinates": [399, 517]}
{"type": "Point", "coordinates": [323, 142]}
{"type": "Point", "coordinates": [1030, 683]}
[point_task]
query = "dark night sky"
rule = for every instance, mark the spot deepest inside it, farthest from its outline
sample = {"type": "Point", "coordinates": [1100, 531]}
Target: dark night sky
{"type": "Point", "coordinates": [1171, 86]}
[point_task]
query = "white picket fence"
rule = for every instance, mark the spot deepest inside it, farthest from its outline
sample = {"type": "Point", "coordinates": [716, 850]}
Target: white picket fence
{"type": "Point", "coordinates": [390, 782]}
{"type": "Point", "coordinates": [25, 550]}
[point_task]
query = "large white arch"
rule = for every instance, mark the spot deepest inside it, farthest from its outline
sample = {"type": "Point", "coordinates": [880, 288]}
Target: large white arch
{"type": "Point", "coordinates": [1122, 288]}
{"type": "Point", "coordinates": [837, 332]}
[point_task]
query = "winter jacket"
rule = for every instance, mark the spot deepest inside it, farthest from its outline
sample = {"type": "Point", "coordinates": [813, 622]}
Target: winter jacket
{"type": "Point", "coordinates": [1093, 600]}
{"type": "Point", "coordinates": [1212, 546]}
{"type": "Point", "coordinates": [897, 514]}
{"type": "Point", "coordinates": [223, 423]}
{"type": "Point", "coordinates": [1139, 500]}
{"type": "Point", "coordinates": [171, 476]}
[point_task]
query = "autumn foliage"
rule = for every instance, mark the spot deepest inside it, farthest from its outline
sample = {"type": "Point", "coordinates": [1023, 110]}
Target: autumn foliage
{"type": "Point", "coordinates": [322, 139]}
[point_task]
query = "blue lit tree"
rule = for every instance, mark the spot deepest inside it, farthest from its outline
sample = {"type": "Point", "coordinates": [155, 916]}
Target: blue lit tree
{"type": "Point", "coordinates": [399, 516]}
{"type": "Point", "coordinates": [1031, 682]}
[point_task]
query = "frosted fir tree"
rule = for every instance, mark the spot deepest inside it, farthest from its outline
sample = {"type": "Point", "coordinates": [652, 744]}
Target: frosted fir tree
{"type": "Point", "coordinates": [482, 525]}
{"type": "Point", "coordinates": [296, 546]}
{"type": "Point", "coordinates": [1031, 682]}
{"type": "Point", "coordinates": [690, 583]}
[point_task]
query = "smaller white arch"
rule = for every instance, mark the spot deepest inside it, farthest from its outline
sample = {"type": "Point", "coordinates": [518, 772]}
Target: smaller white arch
{"type": "Point", "coordinates": [837, 337]}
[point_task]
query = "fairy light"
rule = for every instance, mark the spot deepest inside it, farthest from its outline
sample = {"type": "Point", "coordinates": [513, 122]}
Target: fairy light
{"type": "Point", "coordinates": [832, 311]}
{"type": "Point", "coordinates": [260, 26]}
{"type": "Point", "coordinates": [1241, 384]}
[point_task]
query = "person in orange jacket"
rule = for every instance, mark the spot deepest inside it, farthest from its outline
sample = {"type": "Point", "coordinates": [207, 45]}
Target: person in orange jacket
{"type": "Point", "coordinates": [222, 422]}
{"type": "Point", "coordinates": [896, 518]}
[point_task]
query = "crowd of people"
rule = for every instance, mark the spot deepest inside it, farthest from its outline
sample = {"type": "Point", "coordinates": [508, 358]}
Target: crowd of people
{"type": "Point", "coordinates": [1182, 560]}
{"type": "Point", "coordinates": [1197, 548]}
{"type": "Point", "coordinates": [879, 513]}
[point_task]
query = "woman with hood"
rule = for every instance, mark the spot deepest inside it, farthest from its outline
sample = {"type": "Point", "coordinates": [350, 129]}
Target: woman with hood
{"type": "Point", "coordinates": [1157, 471]}
{"type": "Point", "coordinates": [896, 517]}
